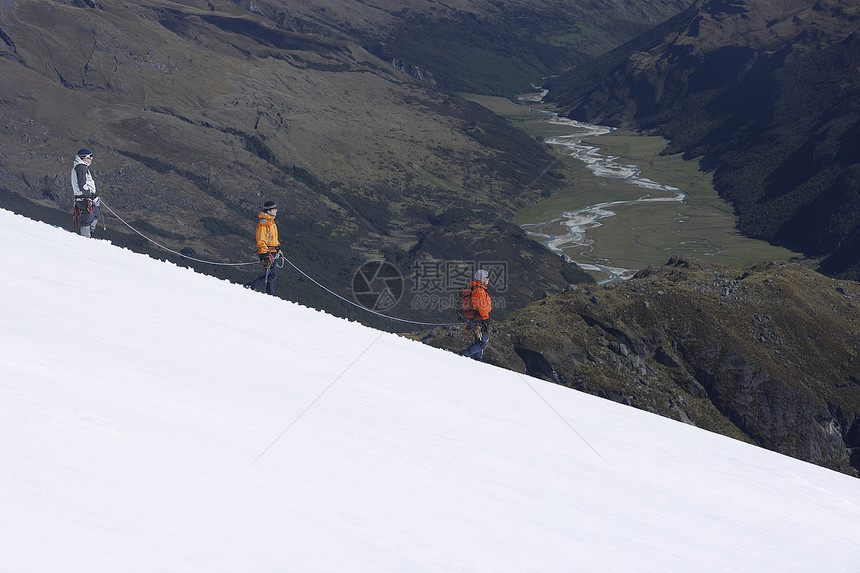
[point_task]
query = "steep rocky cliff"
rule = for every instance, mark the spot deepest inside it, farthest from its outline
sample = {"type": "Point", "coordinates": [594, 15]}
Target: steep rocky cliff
{"type": "Point", "coordinates": [769, 354]}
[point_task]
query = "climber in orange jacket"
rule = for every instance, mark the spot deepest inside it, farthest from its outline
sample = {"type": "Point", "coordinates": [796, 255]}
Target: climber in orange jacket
{"type": "Point", "coordinates": [480, 323]}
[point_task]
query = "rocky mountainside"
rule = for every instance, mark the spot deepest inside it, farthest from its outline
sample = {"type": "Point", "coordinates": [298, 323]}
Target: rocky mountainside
{"type": "Point", "coordinates": [768, 354]}
{"type": "Point", "coordinates": [200, 110]}
{"type": "Point", "coordinates": [767, 94]}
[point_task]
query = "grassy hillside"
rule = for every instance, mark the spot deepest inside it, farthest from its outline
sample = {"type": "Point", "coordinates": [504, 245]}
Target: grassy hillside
{"type": "Point", "coordinates": [200, 110]}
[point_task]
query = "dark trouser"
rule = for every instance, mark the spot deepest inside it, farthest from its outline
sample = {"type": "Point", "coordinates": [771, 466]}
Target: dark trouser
{"type": "Point", "coordinates": [87, 220]}
{"type": "Point", "coordinates": [476, 351]}
{"type": "Point", "coordinates": [267, 279]}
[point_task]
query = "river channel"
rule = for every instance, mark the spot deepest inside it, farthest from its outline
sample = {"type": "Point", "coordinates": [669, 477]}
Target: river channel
{"type": "Point", "coordinates": [641, 222]}
{"type": "Point", "coordinates": [567, 234]}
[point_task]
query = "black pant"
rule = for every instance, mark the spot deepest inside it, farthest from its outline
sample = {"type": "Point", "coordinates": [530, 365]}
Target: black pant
{"type": "Point", "coordinates": [267, 279]}
{"type": "Point", "coordinates": [476, 351]}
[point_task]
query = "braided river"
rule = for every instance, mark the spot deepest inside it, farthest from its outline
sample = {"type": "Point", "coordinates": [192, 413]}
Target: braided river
{"type": "Point", "coordinates": [655, 224]}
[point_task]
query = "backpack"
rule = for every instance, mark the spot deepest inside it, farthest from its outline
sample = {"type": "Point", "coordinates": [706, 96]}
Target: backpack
{"type": "Point", "coordinates": [465, 312]}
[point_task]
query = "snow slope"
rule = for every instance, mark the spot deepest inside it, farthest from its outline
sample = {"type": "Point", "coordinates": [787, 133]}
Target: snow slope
{"type": "Point", "coordinates": [158, 420]}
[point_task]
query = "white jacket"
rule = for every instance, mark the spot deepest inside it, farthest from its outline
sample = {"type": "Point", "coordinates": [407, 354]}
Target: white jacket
{"type": "Point", "coordinates": [83, 184]}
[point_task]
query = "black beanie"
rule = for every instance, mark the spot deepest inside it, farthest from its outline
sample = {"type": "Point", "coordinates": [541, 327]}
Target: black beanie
{"type": "Point", "coordinates": [269, 205]}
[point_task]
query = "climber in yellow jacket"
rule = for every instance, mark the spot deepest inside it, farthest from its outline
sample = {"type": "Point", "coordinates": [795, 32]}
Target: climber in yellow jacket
{"type": "Point", "coordinates": [268, 247]}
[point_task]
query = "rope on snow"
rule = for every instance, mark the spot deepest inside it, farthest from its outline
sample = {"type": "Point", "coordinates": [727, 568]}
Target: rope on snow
{"type": "Point", "coordinates": [344, 299]}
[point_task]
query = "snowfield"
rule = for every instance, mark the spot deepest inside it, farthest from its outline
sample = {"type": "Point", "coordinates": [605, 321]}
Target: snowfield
{"type": "Point", "coordinates": [155, 419]}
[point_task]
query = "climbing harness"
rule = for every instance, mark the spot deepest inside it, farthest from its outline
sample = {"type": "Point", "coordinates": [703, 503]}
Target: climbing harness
{"type": "Point", "coordinates": [76, 213]}
{"type": "Point", "coordinates": [278, 262]}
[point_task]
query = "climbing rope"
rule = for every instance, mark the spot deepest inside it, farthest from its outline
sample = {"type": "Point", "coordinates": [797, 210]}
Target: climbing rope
{"type": "Point", "coordinates": [346, 300]}
{"type": "Point", "coordinates": [103, 204]}
{"type": "Point", "coordinates": [281, 256]}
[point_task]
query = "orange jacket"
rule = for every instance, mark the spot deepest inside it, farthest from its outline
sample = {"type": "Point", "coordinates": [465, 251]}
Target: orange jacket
{"type": "Point", "coordinates": [267, 234]}
{"type": "Point", "coordinates": [481, 302]}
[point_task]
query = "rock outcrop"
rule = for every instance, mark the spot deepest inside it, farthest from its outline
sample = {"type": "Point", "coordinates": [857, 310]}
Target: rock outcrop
{"type": "Point", "coordinates": [767, 354]}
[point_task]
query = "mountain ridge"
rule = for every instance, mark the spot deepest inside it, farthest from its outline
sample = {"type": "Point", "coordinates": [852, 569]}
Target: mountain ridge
{"type": "Point", "coordinates": [198, 111]}
{"type": "Point", "coordinates": [763, 94]}
{"type": "Point", "coordinates": [767, 354]}
{"type": "Point", "coordinates": [183, 423]}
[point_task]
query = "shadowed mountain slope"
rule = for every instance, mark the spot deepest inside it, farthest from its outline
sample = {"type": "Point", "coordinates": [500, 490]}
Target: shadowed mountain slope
{"type": "Point", "coordinates": [767, 94]}
{"type": "Point", "coordinates": [475, 45]}
{"type": "Point", "coordinates": [198, 111]}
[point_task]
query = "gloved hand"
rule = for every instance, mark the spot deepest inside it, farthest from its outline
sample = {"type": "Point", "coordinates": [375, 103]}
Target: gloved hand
{"type": "Point", "coordinates": [482, 327]}
{"type": "Point", "coordinates": [266, 259]}
{"type": "Point", "coordinates": [97, 200]}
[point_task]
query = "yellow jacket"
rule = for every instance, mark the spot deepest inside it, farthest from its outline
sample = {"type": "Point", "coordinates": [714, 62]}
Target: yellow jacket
{"type": "Point", "coordinates": [267, 234]}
